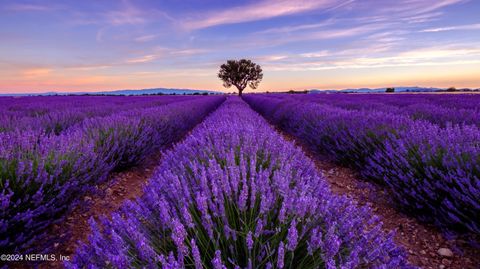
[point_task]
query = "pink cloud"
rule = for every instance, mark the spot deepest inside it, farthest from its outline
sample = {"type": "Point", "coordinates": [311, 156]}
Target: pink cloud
{"type": "Point", "coordinates": [34, 73]}
{"type": "Point", "coordinates": [143, 59]}
{"type": "Point", "coordinates": [454, 28]}
{"type": "Point", "coordinates": [145, 38]}
{"type": "Point", "coordinates": [30, 7]}
{"type": "Point", "coordinates": [258, 11]}
{"type": "Point", "coordinates": [127, 15]}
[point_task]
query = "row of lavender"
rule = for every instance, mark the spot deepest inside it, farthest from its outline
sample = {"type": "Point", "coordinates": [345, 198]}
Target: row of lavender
{"type": "Point", "coordinates": [455, 101]}
{"type": "Point", "coordinates": [43, 175]}
{"type": "Point", "coordinates": [433, 172]}
{"type": "Point", "coordinates": [58, 113]}
{"type": "Point", "coordinates": [235, 194]}
{"type": "Point", "coordinates": [441, 109]}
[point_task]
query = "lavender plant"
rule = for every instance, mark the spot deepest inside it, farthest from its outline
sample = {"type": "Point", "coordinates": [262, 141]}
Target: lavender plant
{"type": "Point", "coordinates": [235, 194]}
{"type": "Point", "coordinates": [435, 172]}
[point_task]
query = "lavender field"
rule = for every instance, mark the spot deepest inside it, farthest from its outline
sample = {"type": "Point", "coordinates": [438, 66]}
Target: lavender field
{"type": "Point", "coordinates": [55, 149]}
{"type": "Point", "coordinates": [238, 184]}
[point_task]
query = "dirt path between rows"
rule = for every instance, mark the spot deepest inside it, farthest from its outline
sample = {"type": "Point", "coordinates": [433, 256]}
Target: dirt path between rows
{"type": "Point", "coordinates": [121, 186]}
{"type": "Point", "coordinates": [423, 242]}
{"type": "Point", "coordinates": [426, 246]}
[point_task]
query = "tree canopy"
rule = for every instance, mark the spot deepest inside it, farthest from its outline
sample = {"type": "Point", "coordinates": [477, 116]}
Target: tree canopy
{"type": "Point", "coordinates": [241, 73]}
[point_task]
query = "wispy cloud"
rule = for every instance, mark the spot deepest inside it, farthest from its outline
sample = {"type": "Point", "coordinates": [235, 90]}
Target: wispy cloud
{"type": "Point", "coordinates": [295, 28]}
{"type": "Point", "coordinates": [187, 52]}
{"type": "Point", "coordinates": [324, 34]}
{"type": "Point", "coordinates": [402, 11]}
{"type": "Point", "coordinates": [34, 73]}
{"type": "Point", "coordinates": [414, 8]}
{"type": "Point", "coordinates": [431, 5]}
{"type": "Point", "coordinates": [363, 48]}
{"type": "Point", "coordinates": [426, 17]}
{"type": "Point", "coordinates": [317, 54]}
{"type": "Point", "coordinates": [454, 28]}
{"type": "Point", "coordinates": [365, 64]}
{"type": "Point", "coordinates": [167, 54]}
{"type": "Point", "coordinates": [437, 53]}
{"type": "Point", "coordinates": [128, 14]}
{"type": "Point", "coordinates": [415, 57]}
{"type": "Point", "coordinates": [346, 32]}
{"type": "Point", "coordinates": [122, 13]}
{"type": "Point", "coordinates": [30, 7]}
{"type": "Point", "coordinates": [258, 11]}
{"type": "Point", "coordinates": [88, 67]}
{"type": "Point", "coordinates": [145, 38]}
{"type": "Point", "coordinates": [143, 59]}
{"type": "Point", "coordinates": [271, 58]}
{"type": "Point", "coordinates": [100, 34]}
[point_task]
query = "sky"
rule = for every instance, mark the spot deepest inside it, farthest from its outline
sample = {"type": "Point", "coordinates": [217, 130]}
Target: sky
{"type": "Point", "coordinates": [73, 45]}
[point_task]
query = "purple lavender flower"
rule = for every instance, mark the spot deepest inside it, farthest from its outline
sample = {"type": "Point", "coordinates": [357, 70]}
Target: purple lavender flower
{"type": "Point", "coordinates": [258, 228]}
{"type": "Point", "coordinates": [196, 255]}
{"type": "Point", "coordinates": [249, 241]}
{"type": "Point", "coordinates": [280, 255]}
{"type": "Point", "coordinates": [217, 261]}
{"type": "Point", "coordinates": [179, 234]}
{"type": "Point", "coordinates": [242, 202]}
{"type": "Point", "coordinates": [292, 236]}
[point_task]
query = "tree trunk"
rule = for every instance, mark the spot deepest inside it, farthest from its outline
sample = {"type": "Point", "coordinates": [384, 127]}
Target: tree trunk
{"type": "Point", "coordinates": [240, 90]}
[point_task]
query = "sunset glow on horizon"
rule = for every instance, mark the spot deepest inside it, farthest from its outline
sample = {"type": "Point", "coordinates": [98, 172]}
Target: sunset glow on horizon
{"type": "Point", "coordinates": [326, 44]}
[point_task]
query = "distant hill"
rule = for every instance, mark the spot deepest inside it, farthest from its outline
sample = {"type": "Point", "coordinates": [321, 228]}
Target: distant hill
{"type": "Point", "coordinates": [397, 89]}
{"type": "Point", "coordinates": [380, 90]}
{"type": "Point", "coordinates": [120, 92]}
{"type": "Point", "coordinates": [157, 91]}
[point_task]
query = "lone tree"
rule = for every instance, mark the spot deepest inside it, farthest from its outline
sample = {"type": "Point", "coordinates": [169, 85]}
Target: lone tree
{"type": "Point", "coordinates": [390, 90]}
{"type": "Point", "coordinates": [240, 74]}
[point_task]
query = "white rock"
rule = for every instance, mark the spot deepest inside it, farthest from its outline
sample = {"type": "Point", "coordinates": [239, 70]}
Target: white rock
{"type": "Point", "coordinates": [446, 252]}
{"type": "Point", "coordinates": [109, 191]}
